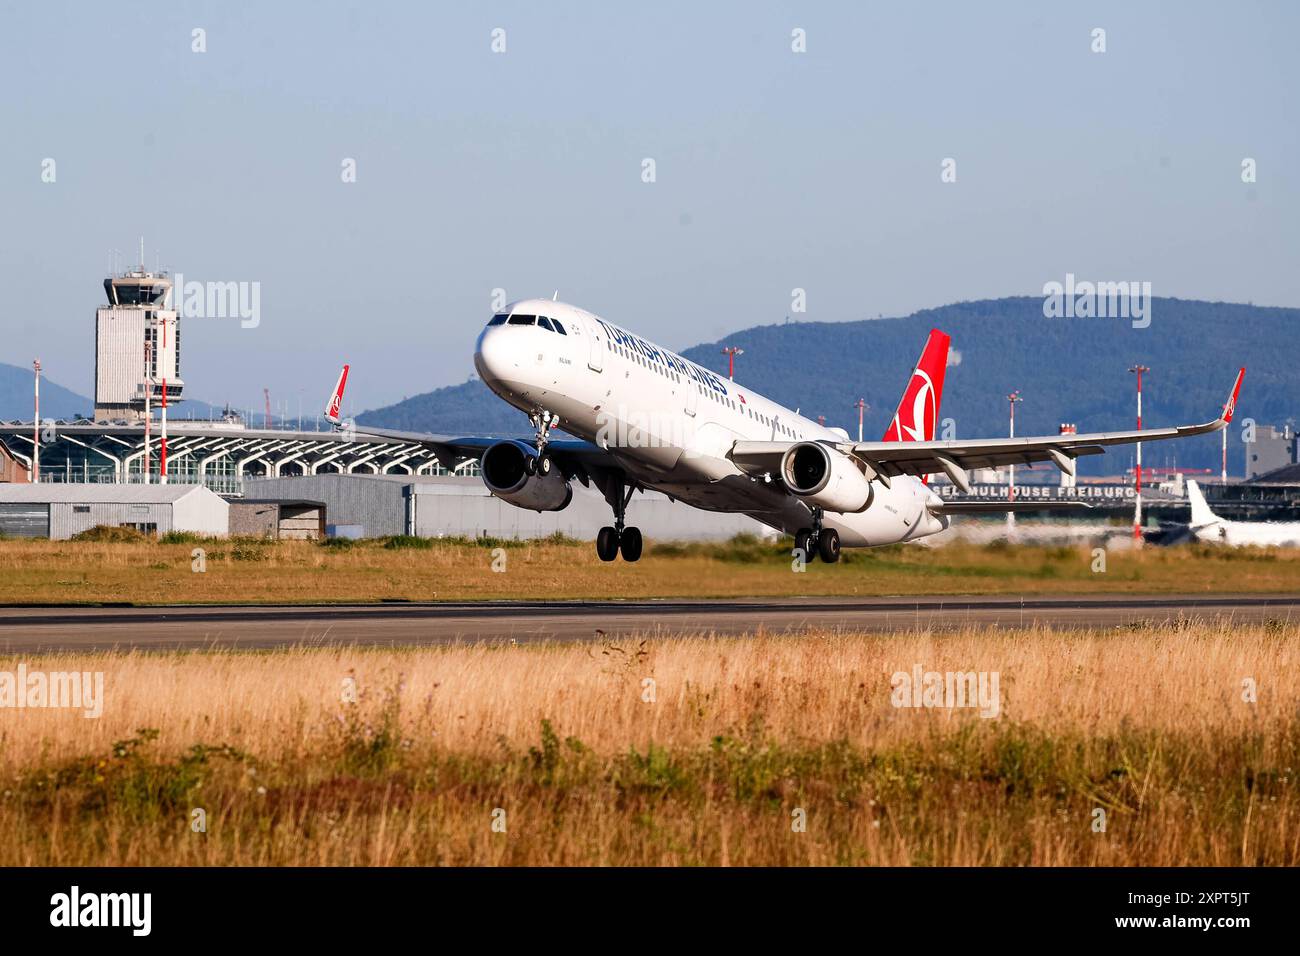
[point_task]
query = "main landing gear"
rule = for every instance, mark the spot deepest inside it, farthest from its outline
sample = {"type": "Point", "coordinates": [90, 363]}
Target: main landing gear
{"type": "Point", "coordinates": [818, 541]}
{"type": "Point", "coordinates": [610, 541]}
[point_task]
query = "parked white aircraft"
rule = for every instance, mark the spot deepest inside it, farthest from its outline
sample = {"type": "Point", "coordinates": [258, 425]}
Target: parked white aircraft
{"type": "Point", "coordinates": [1207, 526]}
{"type": "Point", "coordinates": [647, 418]}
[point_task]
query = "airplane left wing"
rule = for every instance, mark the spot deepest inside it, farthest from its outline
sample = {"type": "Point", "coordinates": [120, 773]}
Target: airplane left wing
{"type": "Point", "coordinates": [885, 460]}
{"type": "Point", "coordinates": [575, 458]}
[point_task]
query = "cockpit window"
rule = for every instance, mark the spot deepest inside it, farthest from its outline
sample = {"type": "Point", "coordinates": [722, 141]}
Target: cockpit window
{"type": "Point", "coordinates": [518, 319]}
{"type": "Point", "coordinates": [499, 319]}
{"type": "Point", "coordinates": [558, 327]}
{"type": "Point", "coordinates": [545, 323]}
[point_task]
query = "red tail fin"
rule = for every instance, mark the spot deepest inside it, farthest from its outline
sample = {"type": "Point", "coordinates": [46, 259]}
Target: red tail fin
{"type": "Point", "coordinates": [336, 400]}
{"type": "Point", "coordinates": [917, 416]}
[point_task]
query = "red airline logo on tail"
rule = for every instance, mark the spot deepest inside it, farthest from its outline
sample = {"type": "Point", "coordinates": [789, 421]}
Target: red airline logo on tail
{"type": "Point", "coordinates": [336, 400]}
{"type": "Point", "coordinates": [917, 416]}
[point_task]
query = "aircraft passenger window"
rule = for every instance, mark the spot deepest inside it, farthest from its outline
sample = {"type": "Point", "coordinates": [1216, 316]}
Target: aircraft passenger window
{"type": "Point", "coordinates": [499, 319]}
{"type": "Point", "coordinates": [545, 323]}
{"type": "Point", "coordinates": [518, 319]}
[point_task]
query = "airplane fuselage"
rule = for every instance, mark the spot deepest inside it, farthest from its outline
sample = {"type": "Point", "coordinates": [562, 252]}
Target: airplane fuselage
{"type": "Point", "coordinates": [1209, 527]}
{"type": "Point", "coordinates": [670, 423]}
{"type": "Point", "coordinates": [1263, 534]}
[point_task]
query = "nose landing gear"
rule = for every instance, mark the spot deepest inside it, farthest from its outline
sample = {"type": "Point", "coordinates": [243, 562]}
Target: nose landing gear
{"type": "Point", "coordinates": [818, 541]}
{"type": "Point", "coordinates": [543, 421]}
{"type": "Point", "coordinates": [610, 541]}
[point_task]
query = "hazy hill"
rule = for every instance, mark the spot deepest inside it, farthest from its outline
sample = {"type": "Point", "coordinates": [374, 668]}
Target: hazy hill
{"type": "Point", "coordinates": [56, 401]}
{"type": "Point", "coordinates": [1066, 370]}
{"type": "Point", "coordinates": [62, 403]}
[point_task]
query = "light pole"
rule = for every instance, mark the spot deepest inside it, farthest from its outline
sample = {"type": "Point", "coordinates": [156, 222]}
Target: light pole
{"type": "Point", "coordinates": [35, 474]}
{"type": "Point", "coordinates": [148, 414]}
{"type": "Point", "coordinates": [1137, 506]}
{"type": "Point", "coordinates": [731, 351]}
{"type": "Point", "coordinates": [1012, 400]}
{"type": "Point", "coordinates": [162, 475]}
{"type": "Point", "coordinates": [861, 405]}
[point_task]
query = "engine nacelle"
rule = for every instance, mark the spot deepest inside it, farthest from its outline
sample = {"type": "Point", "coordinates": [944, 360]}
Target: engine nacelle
{"type": "Point", "coordinates": [510, 472]}
{"type": "Point", "coordinates": [825, 478]}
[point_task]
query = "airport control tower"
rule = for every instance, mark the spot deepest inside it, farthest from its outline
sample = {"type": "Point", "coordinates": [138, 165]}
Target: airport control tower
{"type": "Point", "coordinates": [137, 346]}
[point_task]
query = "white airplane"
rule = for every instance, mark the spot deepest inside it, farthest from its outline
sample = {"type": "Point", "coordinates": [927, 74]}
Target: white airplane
{"type": "Point", "coordinates": [645, 417]}
{"type": "Point", "coordinates": [1207, 526]}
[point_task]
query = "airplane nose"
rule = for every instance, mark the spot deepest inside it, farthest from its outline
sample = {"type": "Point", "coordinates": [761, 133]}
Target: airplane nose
{"type": "Point", "coordinates": [492, 356]}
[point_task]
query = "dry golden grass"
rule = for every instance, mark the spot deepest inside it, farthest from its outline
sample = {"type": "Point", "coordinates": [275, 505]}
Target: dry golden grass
{"type": "Point", "coordinates": [44, 572]}
{"type": "Point", "coordinates": [1148, 725]}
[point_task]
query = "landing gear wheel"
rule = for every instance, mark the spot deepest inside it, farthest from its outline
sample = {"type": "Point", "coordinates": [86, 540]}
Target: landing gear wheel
{"type": "Point", "coordinates": [544, 464]}
{"type": "Point", "coordinates": [803, 541]}
{"type": "Point", "coordinates": [828, 545]}
{"type": "Point", "coordinates": [607, 544]}
{"type": "Point", "coordinates": [630, 544]}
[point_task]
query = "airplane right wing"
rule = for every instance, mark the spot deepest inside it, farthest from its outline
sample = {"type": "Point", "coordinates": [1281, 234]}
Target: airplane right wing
{"type": "Point", "coordinates": [887, 459]}
{"type": "Point", "coordinates": [956, 458]}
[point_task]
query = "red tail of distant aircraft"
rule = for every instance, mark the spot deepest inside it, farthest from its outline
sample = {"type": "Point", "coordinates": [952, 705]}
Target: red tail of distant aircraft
{"type": "Point", "coordinates": [336, 400]}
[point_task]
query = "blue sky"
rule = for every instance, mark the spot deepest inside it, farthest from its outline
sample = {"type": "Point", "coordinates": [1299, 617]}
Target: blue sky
{"type": "Point", "coordinates": [478, 170]}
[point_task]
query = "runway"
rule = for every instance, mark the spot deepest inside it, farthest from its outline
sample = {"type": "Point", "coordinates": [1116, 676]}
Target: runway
{"type": "Point", "coordinates": [249, 627]}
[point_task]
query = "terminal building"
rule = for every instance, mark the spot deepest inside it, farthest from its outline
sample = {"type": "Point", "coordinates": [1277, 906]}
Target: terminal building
{"type": "Point", "coordinates": [219, 455]}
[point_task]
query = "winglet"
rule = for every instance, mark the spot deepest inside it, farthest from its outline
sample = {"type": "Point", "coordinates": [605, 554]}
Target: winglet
{"type": "Point", "coordinates": [336, 400]}
{"type": "Point", "coordinates": [1231, 405]}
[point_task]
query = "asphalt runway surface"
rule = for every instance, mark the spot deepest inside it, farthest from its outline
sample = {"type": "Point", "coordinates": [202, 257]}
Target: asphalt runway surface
{"type": "Point", "coordinates": [252, 627]}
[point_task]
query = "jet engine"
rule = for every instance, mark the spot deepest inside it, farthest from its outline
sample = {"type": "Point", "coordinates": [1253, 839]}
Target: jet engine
{"type": "Point", "coordinates": [825, 478]}
{"type": "Point", "coordinates": [514, 473]}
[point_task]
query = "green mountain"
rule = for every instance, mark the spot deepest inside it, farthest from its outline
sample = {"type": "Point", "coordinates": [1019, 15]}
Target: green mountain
{"type": "Point", "coordinates": [1067, 370]}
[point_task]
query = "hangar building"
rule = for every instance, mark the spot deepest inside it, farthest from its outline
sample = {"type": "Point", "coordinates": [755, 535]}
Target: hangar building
{"type": "Point", "coordinates": [59, 510]}
{"type": "Point", "coordinates": [372, 506]}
